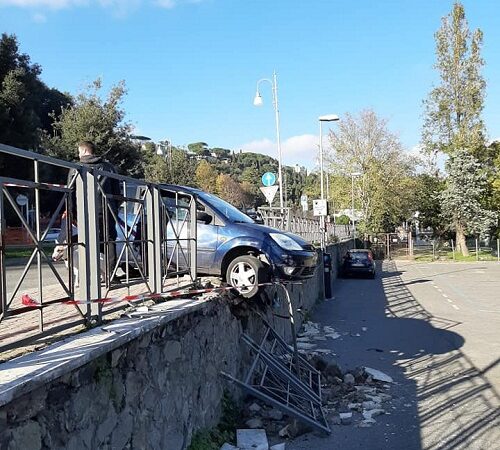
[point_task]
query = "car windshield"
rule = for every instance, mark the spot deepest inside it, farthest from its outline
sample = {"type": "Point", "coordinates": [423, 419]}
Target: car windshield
{"type": "Point", "coordinates": [358, 255]}
{"type": "Point", "coordinates": [229, 211]}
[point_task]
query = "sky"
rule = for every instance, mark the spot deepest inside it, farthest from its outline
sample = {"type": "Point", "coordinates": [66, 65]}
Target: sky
{"type": "Point", "coordinates": [191, 66]}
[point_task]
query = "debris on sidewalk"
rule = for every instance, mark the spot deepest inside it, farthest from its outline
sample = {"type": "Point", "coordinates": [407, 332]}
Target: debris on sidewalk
{"type": "Point", "coordinates": [378, 375]}
{"type": "Point", "coordinates": [251, 439]}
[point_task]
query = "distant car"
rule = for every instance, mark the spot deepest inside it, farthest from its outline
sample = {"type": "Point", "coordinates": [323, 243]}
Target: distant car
{"type": "Point", "coordinates": [52, 235]}
{"type": "Point", "coordinates": [358, 262]}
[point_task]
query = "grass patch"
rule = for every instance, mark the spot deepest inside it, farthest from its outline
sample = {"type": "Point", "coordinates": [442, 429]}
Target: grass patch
{"type": "Point", "coordinates": [224, 432]}
{"type": "Point", "coordinates": [448, 256]}
{"type": "Point", "coordinates": [25, 252]}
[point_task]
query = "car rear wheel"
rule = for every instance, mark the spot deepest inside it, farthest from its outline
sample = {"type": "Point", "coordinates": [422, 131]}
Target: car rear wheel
{"type": "Point", "coordinates": [245, 273]}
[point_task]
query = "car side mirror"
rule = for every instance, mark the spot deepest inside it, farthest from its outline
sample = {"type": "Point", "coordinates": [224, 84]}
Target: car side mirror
{"type": "Point", "coordinates": [202, 216]}
{"type": "Point", "coordinates": [259, 220]}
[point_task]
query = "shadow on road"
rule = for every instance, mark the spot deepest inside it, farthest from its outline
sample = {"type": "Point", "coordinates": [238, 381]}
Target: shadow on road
{"type": "Point", "coordinates": [441, 400]}
{"type": "Point", "coordinates": [457, 403]}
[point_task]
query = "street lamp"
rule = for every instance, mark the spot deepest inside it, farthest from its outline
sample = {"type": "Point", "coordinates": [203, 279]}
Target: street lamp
{"type": "Point", "coordinates": [354, 175]}
{"type": "Point", "coordinates": [257, 101]}
{"type": "Point", "coordinates": [325, 118]}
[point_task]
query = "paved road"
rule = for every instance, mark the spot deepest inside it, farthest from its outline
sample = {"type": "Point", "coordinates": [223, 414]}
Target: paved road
{"type": "Point", "coordinates": [438, 326]}
{"type": "Point", "coordinates": [14, 272]}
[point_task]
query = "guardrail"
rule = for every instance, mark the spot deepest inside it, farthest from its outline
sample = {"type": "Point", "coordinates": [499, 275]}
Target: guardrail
{"type": "Point", "coordinates": [138, 238]}
{"type": "Point", "coordinates": [307, 228]}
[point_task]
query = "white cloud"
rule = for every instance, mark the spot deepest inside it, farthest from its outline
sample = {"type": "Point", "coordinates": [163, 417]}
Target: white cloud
{"type": "Point", "coordinates": [119, 6]}
{"type": "Point", "coordinates": [301, 149]}
{"type": "Point", "coordinates": [39, 18]}
{"type": "Point", "coordinates": [53, 4]}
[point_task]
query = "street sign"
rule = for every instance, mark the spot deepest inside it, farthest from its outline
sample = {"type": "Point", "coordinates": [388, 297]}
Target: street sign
{"type": "Point", "coordinates": [304, 203]}
{"type": "Point", "coordinates": [22, 200]}
{"type": "Point", "coordinates": [269, 192]}
{"type": "Point", "coordinates": [268, 179]}
{"type": "Point", "coordinates": [319, 208]}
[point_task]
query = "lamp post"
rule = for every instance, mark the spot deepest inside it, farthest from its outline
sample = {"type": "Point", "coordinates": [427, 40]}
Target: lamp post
{"type": "Point", "coordinates": [353, 175]}
{"type": "Point", "coordinates": [321, 119]}
{"type": "Point", "coordinates": [164, 148]}
{"type": "Point", "coordinates": [257, 101]}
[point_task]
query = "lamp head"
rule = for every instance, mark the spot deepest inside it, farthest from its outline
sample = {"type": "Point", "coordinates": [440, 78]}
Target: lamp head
{"type": "Point", "coordinates": [257, 101]}
{"type": "Point", "coordinates": [328, 118]}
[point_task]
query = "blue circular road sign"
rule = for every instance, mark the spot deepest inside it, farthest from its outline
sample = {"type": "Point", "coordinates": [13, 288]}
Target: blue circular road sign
{"type": "Point", "coordinates": [268, 179]}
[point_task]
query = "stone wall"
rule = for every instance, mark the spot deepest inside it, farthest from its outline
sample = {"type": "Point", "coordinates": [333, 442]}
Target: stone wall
{"type": "Point", "coordinates": [150, 385]}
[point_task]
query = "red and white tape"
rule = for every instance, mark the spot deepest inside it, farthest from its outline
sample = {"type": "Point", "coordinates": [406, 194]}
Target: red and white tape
{"type": "Point", "coordinates": [30, 302]}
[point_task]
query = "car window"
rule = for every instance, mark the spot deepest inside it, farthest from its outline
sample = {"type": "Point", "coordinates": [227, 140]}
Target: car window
{"type": "Point", "coordinates": [228, 210]}
{"type": "Point", "coordinates": [359, 255]}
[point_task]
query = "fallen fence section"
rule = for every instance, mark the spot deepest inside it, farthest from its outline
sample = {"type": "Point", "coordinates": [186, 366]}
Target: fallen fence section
{"type": "Point", "coordinates": [287, 381]}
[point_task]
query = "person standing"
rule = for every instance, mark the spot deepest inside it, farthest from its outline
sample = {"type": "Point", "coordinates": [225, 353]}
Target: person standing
{"type": "Point", "coordinates": [105, 214]}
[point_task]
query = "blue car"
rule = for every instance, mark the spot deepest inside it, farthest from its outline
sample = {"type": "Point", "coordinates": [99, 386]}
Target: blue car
{"type": "Point", "coordinates": [233, 246]}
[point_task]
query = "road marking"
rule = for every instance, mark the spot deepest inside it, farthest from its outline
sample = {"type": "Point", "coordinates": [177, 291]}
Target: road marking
{"type": "Point", "coordinates": [449, 300]}
{"type": "Point", "coordinates": [455, 306]}
{"type": "Point", "coordinates": [445, 296]}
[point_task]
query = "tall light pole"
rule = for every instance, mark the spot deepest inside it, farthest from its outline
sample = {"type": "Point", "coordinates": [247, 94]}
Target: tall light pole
{"type": "Point", "coordinates": [326, 118]}
{"type": "Point", "coordinates": [354, 175]}
{"type": "Point", "coordinates": [257, 101]}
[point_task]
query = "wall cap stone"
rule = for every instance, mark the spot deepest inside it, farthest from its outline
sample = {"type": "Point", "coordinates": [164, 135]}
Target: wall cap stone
{"type": "Point", "coordinates": [26, 373]}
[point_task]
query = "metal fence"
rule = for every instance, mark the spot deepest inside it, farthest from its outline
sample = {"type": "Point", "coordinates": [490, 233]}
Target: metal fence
{"type": "Point", "coordinates": [307, 228]}
{"type": "Point", "coordinates": [434, 248]}
{"type": "Point", "coordinates": [137, 239]}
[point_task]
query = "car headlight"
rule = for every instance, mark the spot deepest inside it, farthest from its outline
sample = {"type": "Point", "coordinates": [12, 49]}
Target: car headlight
{"type": "Point", "coordinates": [285, 242]}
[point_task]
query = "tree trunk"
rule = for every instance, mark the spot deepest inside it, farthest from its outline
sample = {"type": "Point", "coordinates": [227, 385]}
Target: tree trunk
{"type": "Point", "coordinates": [461, 244]}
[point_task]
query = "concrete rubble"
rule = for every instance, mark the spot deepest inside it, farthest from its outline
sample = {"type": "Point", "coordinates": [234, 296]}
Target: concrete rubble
{"type": "Point", "coordinates": [354, 397]}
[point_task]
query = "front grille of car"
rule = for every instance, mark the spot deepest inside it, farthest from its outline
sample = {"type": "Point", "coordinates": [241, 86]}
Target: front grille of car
{"type": "Point", "coordinates": [308, 271]}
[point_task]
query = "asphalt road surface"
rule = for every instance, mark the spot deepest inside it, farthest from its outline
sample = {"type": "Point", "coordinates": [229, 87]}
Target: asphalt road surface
{"type": "Point", "coordinates": [435, 328]}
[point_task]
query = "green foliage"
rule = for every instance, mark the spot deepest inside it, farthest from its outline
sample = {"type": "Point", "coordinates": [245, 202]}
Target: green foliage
{"type": "Point", "coordinates": [224, 432]}
{"type": "Point", "coordinates": [364, 144]}
{"type": "Point", "coordinates": [200, 148]}
{"type": "Point", "coordinates": [101, 121]}
{"type": "Point", "coordinates": [461, 199]}
{"type": "Point", "coordinates": [426, 199]}
{"type": "Point", "coordinates": [25, 101]}
{"type": "Point", "coordinates": [206, 176]}
{"type": "Point", "coordinates": [453, 109]}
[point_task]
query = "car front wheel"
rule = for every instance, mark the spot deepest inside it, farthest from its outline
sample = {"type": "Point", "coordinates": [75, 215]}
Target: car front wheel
{"type": "Point", "coordinates": [245, 273]}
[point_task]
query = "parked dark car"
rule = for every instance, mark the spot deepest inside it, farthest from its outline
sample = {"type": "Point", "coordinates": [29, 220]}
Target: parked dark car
{"type": "Point", "coordinates": [244, 253]}
{"type": "Point", "coordinates": [358, 262]}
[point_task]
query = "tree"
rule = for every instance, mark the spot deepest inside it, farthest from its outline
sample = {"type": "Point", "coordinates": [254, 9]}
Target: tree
{"type": "Point", "coordinates": [25, 101]}
{"type": "Point", "coordinates": [453, 109]}
{"type": "Point", "coordinates": [231, 191]}
{"type": "Point", "coordinates": [99, 121]}
{"type": "Point", "coordinates": [200, 148]}
{"type": "Point", "coordinates": [461, 200]}
{"type": "Point", "coordinates": [364, 144]}
{"type": "Point", "coordinates": [206, 176]}
{"type": "Point", "coordinates": [426, 200]}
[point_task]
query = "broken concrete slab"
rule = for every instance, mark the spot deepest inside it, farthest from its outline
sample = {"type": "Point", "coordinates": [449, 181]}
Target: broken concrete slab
{"type": "Point", "coordinates": [280, 446]}
{"type": "Point", "coordinates": [378, 375]}
{"type": "Point", "coordinates": [254, 423]}
{"type": "Point", "coordinates": [227, 446]}
{"type": "Point", "coordinates": [370, 414]}
{"type": "Point", "coordinates": [349, 378]}
{"type": "Point", "coordinates": [251, 439]}
{"type": "Point", "coordinates": [254, 407]}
